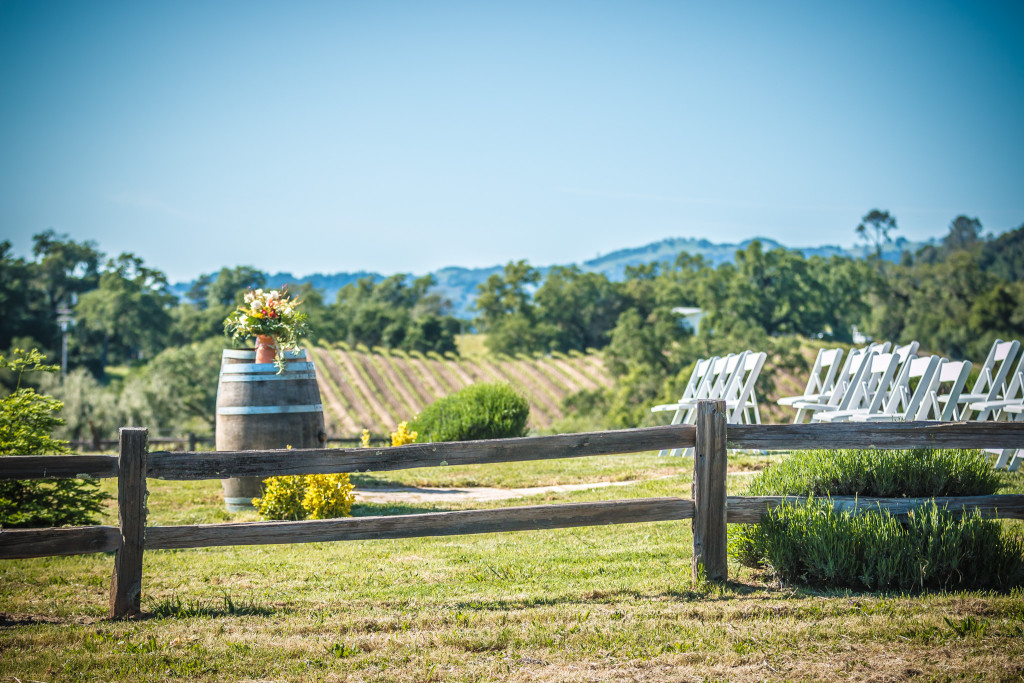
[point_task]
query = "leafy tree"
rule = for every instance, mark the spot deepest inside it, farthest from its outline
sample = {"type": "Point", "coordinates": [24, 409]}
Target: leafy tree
{"type": "Point", "coordinates": [1003, 256]}
{"type": "Point", "coordinates": [27, 421]}
{"type": "Point", "coordinates": [578, 309]}
{"type": "Point", "coordinates": [22, 314]}
{"type": "Point", "coordinates": [230, 284]}
{"type": "Point", "coordinates": [64, 267]}
{"type": "Point", "coordinates": [128, 311]}
{"type": "Point", "coordinates": [875, 229]}
{"type": "Point", "coordinates": [398, 312]}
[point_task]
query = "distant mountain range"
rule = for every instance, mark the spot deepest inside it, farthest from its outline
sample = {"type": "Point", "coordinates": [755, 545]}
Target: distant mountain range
{"type": "Point", "coordinates": [460, 284]}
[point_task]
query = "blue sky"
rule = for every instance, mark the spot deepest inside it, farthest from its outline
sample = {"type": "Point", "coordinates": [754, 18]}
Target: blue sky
{"type": "Point", "coordinates": [408, 136]}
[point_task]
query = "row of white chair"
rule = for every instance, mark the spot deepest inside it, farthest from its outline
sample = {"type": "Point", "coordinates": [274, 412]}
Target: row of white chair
{"type": "Point", "coordinates": [878, 385]}
{"type": "Point", "coordinates": [730, 378]}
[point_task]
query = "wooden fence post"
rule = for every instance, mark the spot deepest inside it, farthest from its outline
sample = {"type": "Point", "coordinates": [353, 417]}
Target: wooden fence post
{"type": "Point", "coordinates": [126, 583]}
{"type": "Point", "coordinates": [710, 557]}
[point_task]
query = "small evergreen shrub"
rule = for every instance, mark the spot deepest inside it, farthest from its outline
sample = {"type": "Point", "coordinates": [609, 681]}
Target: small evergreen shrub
{"type": "Point", "coordinates": [311, 496]}
{"type": "Point", "coordinates": [871, 549]}
{"type": "Point", "coordinates": [915, 473]}
{"type": "Point", "coordinates": [27, 421]}
{"type": "Point", "coordinates": [479, 411]}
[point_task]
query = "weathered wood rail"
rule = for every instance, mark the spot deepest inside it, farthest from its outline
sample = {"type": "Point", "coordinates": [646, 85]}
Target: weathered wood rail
{"type": "Point", "coordinates": [710, 509]}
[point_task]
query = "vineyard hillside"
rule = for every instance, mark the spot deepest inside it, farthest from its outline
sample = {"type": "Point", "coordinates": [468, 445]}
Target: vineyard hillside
{"type": "Point", "coordinates": [375, 390]}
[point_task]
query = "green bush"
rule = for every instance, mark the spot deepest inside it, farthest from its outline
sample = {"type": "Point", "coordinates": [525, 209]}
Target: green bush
{"type": "Point", "coordinates": [873, 550]}
{"type": "Point", "coordinates": [916, 473]}
{"type": "Point", "coordinates": [27, 421]}
{"type": "Point", "coordinates": [480, 411]}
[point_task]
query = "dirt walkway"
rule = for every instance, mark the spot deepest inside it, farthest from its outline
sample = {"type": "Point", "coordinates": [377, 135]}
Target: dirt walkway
{"type": "Point", "coordinates": [412, 494]}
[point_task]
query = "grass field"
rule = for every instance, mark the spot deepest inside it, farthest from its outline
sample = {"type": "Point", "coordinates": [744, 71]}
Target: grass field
{"type": "Point", "coordinates": [596, 603]}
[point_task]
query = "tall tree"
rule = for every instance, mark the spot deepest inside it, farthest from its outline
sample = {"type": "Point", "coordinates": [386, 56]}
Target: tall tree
{"type": "Point", "coordinates": [129, 310]}
{"type": "Point", "coordinates": [875, 229]}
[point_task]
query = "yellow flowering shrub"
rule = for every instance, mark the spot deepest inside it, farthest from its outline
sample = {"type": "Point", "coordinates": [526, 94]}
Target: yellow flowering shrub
{"type": "Point", "coordinates": [402, 435]}
{"type": "Point", "coordinates": [312, 496]}
{"type": "Point", "coordinates": [328, 496]}
{"type": "Point", "coordinates": [364, 440]}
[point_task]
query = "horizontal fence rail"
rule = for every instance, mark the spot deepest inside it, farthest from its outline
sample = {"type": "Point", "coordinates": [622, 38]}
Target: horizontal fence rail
{"type": "Point", "coordinates": [58, 466]}
{"type": "Point", "coordinates": [709, 509]}
{"type": "Point", "coordinates": [225, 464]}
{"type": "Point", "coordinates": [878, 435]}
{"type": "Point", "coordinates": [750, 509]}
{"type": "Point", "coordinates": [457, 523]}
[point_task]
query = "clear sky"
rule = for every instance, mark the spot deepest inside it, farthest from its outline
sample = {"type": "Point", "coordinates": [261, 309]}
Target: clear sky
{"type": "Point", "coordinates": [407, 136]}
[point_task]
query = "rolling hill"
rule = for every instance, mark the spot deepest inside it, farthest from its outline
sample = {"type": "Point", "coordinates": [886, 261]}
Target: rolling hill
{"type": "Point", "coordinates": [377, 390]}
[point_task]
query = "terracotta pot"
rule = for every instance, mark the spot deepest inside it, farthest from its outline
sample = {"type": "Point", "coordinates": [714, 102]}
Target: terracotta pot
{"type": "Point", "coordinates": [266, 349]}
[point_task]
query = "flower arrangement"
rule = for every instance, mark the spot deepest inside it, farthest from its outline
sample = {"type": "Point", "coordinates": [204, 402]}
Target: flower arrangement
{"type": "Point", "coordinates": [268, 313]}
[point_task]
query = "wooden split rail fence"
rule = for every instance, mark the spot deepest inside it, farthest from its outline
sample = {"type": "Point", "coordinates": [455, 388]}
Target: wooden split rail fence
{"type": "Point", "coordinates": [709, 508]}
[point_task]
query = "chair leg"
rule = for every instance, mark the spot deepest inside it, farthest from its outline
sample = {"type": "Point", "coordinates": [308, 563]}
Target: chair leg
{"type": "Point", "coordinates": [1004, 458]}
{"type": "Point", "coordinates": [1016, 461]}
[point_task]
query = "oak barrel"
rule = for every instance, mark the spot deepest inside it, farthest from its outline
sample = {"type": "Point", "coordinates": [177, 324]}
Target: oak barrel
{"type": "Point", "coordinates": [259, 409]}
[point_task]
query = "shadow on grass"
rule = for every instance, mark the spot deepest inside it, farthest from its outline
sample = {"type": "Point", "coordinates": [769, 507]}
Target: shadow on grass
{"type": "Point", "coordinates": [176, 608]}
{"type": "Point", "coordinates": [387, 509]}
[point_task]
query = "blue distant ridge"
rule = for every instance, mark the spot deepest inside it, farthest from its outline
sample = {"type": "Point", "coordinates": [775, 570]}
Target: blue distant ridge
{"type": "Point", "coordinates": [460, 284]}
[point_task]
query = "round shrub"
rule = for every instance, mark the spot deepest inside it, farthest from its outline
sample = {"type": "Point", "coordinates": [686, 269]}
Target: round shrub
{"type": "Point", "coordinates": [480, 411]}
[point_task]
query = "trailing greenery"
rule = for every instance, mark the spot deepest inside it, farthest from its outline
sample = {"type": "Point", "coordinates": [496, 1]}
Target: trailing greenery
{"type": "Point", "coordinates": [916, 473]}
{"type": "Point", "coordinates": [27, 421]}
{"type": "Point", "coordinates": [479, 411]}
{"type": "Point", "coordinates": [873, 550]}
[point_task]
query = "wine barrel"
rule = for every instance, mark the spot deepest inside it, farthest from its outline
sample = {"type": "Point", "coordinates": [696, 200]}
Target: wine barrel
{"type": "Point", "coordinates": [259, 409]}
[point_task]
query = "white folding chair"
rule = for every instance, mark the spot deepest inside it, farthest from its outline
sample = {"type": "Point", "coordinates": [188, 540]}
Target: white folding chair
{"type": "Point", "coordinates": [740, 398]}
{"type": "Point", "coordinates": [1001, 398]}
{"type": "Point", "coordinates": [946, 389]}
{"type": "Point", "coordinates": [867, 396]}
{"type": "Point", "coordinates": [992, 378]}
{"type": "Point", "coordinates": [902, 403]}
{"type": "Point", "coordinates": [718, 385]}
{"type": "Point", "coordinates": [838, 399]}
{"type": "Point", "coordinates": [1009, 405]}
{"type": "Point", "coordinates": [699, 386]}
{"type": "Point", "coordinates": [696, 387]}
{"type": "Point", "coordinates": [821, 382]}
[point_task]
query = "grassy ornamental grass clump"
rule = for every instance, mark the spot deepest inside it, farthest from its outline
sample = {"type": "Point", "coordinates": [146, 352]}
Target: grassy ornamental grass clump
{"type": "Point", "coordinates": [870, 549]}
{"type": "Point", "coordinates": [915, 473]}
{"type": "Point", "coordinates": [479, 411]}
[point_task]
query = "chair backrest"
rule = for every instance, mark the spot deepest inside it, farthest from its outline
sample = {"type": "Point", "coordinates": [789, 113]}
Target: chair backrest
{"type": "Point", "coordinates": [824, 372]}
{"type": "Point", "coordinates": [742, 385]}
{"type": "Point", "coordinates": [1014, 391]}
{"type": "Point", "coordinates": [849, 376]}
{"type": "Point", "coordinates": [875, 383]}
{"type": "Point", "coordinates": [992, 377]}
{"type": "Point", "coordinates": [728, 370]}
{"type": "Point", "coordinates": [925, 370]}
{"type": "Point", "coordinates": [949, 383]}
{"type": "Point", "coordinates": [701, 370]}
{"type": "Point", "coordinates": [907, 351]}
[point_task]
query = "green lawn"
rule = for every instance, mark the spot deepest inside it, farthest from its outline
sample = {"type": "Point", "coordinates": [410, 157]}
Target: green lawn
{"type": "Point", "coordinates": [595, 603]}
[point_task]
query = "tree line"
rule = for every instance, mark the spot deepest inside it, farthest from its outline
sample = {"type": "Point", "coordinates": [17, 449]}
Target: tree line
{"type": "Point", "coordinates": [139, 355]}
